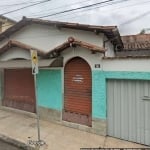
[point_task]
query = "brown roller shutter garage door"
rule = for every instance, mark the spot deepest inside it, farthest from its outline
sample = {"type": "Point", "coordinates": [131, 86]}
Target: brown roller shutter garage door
{"type": "Point", "coordinates": [77, 97]}
{"type": "Point", "coordinates": [19, 91]}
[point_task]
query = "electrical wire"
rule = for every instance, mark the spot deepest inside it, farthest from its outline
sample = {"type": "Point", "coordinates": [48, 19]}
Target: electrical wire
{"type": "Point", "coordinates": [25, 7]}
{"type": "Point", "coordinates": [8, 6]}
{"type": "Point", "coordinates": [82, 7]}
{"type": "Point", "coordinates": [89, 9]}
{"type": "Point", "coordinates": [87, 6]}
{"type": "Point", "coordinates": [56, 8]}
{"type": "Point", "coordinates": [10, 24]}
{"type": "Point", "coordinates": [142, 3]}
{"type": "Point", "coordinates": [23, 3]}
{"type": "Point", "coordinates": [60, 7]}
{"type": "Point", "coordinates": [135, 18]}
{"type": "Point", "coordinates": [124, 23]}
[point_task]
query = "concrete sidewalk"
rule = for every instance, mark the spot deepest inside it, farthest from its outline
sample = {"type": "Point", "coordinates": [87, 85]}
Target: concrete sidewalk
{"type": "Point", "coordinates": [20, 127]}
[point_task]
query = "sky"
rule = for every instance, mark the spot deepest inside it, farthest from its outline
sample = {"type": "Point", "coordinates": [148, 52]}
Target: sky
{"type": "Point", "coordinates": [131, 16]}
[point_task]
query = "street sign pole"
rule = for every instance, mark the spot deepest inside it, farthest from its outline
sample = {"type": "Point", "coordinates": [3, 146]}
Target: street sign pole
{"type": "Point", "coordinates": [34, 60]}
{"type": "Point", "coordinates": [37, 111]}
{"type": "Point", "coordinates": [35, 71]}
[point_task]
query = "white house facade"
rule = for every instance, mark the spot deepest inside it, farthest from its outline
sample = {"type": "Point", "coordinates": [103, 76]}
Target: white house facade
{"type": "Point", "coordinates": [87, 79]}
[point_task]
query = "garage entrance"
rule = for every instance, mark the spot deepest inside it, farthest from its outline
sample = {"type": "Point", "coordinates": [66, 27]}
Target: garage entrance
{"type": "Point", "coordinates": [77, 92]}
{"type": "Point", "coordinates": [19, 91]}
{"type": "Point", "coordinates": [128, 112]}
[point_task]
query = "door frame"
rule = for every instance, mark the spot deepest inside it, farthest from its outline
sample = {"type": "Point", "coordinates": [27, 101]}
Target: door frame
{"type": "Point", "coordinates": [63, 84]}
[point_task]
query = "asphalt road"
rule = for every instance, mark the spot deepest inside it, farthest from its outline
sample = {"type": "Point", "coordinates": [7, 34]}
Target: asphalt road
{"type": "Point", "coordinates": [7, 146]}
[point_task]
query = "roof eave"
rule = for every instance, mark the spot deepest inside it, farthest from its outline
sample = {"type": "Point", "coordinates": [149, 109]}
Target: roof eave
{"type": "Point", "coordinates": [13, 43]}
{"type": "Point", "coordinates": [109, 31]}
{"type": "Point", "coordinates": [74, 43]}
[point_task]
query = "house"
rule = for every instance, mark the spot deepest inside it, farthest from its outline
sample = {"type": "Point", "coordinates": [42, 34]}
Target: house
{"type": "Point", "coordinates": [6, 23]}
{"type": "Point", "coordinates": [87, 79]}
{"type": "Point", "coordinates": [135, 45]}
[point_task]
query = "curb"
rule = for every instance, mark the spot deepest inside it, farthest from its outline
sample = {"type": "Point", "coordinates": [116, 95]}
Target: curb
{"type": "Point", "coordinates": [15, 143]}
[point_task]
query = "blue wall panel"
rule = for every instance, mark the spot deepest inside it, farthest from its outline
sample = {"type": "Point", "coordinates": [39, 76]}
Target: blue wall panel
{"type": "Point", "coordinates": [98, 95]}
{"type": "Point", "coordinates": [99, 88]}
{"type": "Point", "coordinates": [49, 89]}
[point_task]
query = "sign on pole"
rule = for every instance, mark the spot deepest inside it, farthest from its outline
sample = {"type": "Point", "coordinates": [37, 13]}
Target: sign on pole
{"type": "Point", "coordinates": [34, 60]}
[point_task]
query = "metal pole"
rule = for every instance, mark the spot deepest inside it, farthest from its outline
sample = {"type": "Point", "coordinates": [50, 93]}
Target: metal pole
{"type": "Point", "coordinates": [37, 112]}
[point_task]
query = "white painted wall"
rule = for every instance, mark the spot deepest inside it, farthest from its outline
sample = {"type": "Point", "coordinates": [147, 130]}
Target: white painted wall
{"type": "Point", "coordinates": [109, 47]}
{"type": "Point", "coordinates": [14, 53]}
{"type": "Point", "coordinates": [45, 37]}
{"type": "Point", "coordinates": [92, 59]}
{"type": "Point", "coordinates": [130, 64]}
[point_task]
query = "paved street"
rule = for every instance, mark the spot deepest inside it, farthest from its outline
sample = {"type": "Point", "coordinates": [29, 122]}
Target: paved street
{"type": "Point", "coordinates": [20, 127]}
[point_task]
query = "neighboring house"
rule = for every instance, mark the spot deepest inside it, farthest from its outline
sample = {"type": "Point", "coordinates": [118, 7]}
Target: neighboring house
{"type": "Point", "coordinates": [84, 80]}
{"type": "Point", "coordinates": [135, 45]}
{"type": "Point", "coordinates": [6, 23]}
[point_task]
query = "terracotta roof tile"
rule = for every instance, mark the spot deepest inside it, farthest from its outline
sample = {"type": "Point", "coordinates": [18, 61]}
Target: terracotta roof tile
{"type": "Point", "coordinates": [127, 57]}
{"type": "Point", "coordinates": [111, 32]}
{"type": "Point", "coordinates": [72, 42]}
{"type": "Point", "coordinates": [136, 42]}
{"type": "Point", "coordinates": [13, 43]}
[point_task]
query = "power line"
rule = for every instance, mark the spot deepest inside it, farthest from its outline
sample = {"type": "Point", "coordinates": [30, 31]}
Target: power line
{"type": "Point", "coordinates": [78, 11]}
{"type": "Point", "coordinates": [75, 8]}
{"type": "Point", "coordinates": [64, 6]}
{"type": "Point", "coordinates": [92, 9]}
{"type": "Point", "coordinates": [142, 3]}
{"type": "Point", "coordinates": [56, 8]}
{"type": "Point", "coordinates": [135, 18]}
{"type": "Point", "coordinates": [24, 7]}
{"type": "Point", "coordinates": [124, 23]}
{"type": "Point", "coordinates": [69, 10]}
{"type": "Point", "coordinates": [104, 6]}
{"type": "Point", "coordinates": [5, 7]}
{"type": "Point", "coordinates": [23, 3]}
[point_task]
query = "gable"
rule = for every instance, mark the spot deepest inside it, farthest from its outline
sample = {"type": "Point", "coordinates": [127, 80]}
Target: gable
{"type": "Point", "coordinates": [50, 36]}
{"type": "Point", "coordinates": [111, 32]}
{"type": "Point", "coordinates": [46, 37]}
{"type": "Point", "coordinates": [74, 43]}
{"type": "Point", "coordinates": [17, 50]}
{"type": "Point", "coordinates": [15, 53]}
